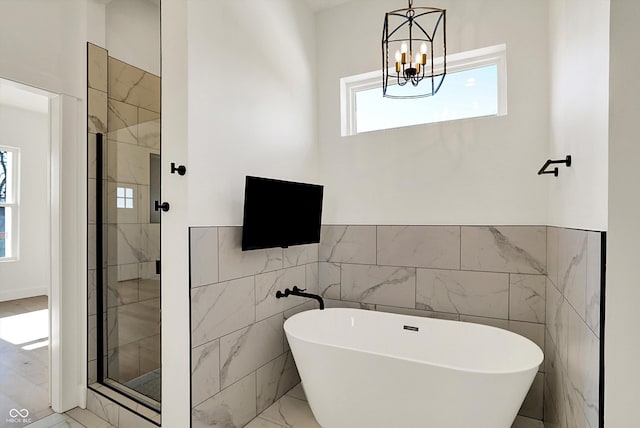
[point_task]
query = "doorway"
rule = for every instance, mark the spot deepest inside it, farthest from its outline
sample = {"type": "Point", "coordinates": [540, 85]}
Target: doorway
{"type": "Point", "coordinates": [25, 253]}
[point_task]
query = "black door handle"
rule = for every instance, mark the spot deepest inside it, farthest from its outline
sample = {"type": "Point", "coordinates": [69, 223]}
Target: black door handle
{"type": "Point", "coordinates": [164, 206]}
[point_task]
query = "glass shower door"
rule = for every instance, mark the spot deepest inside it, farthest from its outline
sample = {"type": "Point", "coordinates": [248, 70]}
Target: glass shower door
{"type": "Point", "coordinates": [132, 227]}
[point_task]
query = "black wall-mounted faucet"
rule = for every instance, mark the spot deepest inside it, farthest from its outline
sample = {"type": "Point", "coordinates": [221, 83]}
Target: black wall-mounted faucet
{"type": "Point", "coordinates": [297, 292]}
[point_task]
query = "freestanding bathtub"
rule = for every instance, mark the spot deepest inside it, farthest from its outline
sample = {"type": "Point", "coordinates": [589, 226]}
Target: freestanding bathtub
{"type": "Point", "coordinates": [366, 369]}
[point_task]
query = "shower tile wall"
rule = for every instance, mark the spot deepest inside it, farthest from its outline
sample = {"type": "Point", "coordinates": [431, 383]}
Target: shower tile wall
{"type": "Point", "coordinates": [124, 105]}
{"type": "Point", "coordinates": [487, 275]}
{"type": "Point", "coordinates": [240, 360]}
{"type": "Point", "coordinates": [133, 241]}
{"type": "Point", "coordinates": [571, 396]}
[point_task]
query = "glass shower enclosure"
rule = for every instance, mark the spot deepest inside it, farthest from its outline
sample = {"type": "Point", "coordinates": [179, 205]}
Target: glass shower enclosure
{"type": "Point", "coordinates": [125, 190]}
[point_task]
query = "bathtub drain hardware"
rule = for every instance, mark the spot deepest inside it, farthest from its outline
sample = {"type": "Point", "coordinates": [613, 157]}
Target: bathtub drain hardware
{"type": "Point", "coordinates": [410, 328]}
{"type": "Point", "coordinates": [298, 292]}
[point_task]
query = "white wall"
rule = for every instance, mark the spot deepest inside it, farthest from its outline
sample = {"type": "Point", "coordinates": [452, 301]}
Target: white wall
{"type": "Point", "coordinates": [30, 274]}
{"type": "Point", "coordinates": [230, 108]}
{"type": "Point", "coordinates": [133, 33]}
{"type": "Point", "coordinates": [42, 44]}
{"type": "Point", "coordinates": [176, 375]}
{"type": "Point", "coordinates": [622, 343]}
{"type": "Point", "coordinates": [251, 77]}
{"type": "Point", "coordinates": [579, 66]}
{"type": "Point", "coordinates": [479, 171]}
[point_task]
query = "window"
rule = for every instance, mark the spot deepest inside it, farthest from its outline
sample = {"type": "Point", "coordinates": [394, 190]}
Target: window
{"type": "Point", "coordinates": [8, 203]}
{"type": "Point", "coordinates": [124, 197]}
{"type": "Point", "coordinates": [475, 86]}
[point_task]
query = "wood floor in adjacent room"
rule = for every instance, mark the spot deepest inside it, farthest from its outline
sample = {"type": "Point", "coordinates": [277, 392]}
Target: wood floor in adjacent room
{"type": "Point", "coordinates": [24, 360]}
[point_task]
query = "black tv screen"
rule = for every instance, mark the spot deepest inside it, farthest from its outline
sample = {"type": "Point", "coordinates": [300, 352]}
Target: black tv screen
{"type": "Point", "coordinates": [280, 213]}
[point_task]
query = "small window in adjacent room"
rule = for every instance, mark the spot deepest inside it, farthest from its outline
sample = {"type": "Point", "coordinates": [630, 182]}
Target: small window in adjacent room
{"type": "Point", "coordinates": [475, 86]}
{"type": "Point", "coordinates": [8, 203]}
{"type": "Point", "coordinates": [124, 197]}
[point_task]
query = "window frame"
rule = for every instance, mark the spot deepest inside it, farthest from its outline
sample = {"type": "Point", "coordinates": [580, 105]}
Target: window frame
{"type": "Point", "coordinates": [125, 198]}
{"type": "Point", "coordinates": [14, 205]}
{"type": "Point", "coordinates": [463, 61]}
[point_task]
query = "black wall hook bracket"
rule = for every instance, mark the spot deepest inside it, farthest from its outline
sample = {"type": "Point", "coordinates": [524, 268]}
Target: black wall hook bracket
{"type": "Point", "coordinates": [554, 171]}
{"type": "Point", "coordinates": [180, 169]}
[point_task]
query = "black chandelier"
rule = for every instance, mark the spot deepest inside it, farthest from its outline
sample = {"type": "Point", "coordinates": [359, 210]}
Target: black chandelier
{"type": "Point", "coordinates": [416, 37]}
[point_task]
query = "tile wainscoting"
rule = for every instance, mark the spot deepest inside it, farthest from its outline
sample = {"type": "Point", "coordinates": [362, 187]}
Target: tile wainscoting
{"type": "Point", "coordinates": [572, 365]}
{"type": "Point", "coordinates": [240, 360]}
{"type": "Point", "coordinates": [497, 276]}
{"type": "Point", "coordinates": [487, 275]}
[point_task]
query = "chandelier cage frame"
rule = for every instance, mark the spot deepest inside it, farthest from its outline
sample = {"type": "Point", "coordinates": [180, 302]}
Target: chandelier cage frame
{"type": "Point", "coordinates": [423, 71]}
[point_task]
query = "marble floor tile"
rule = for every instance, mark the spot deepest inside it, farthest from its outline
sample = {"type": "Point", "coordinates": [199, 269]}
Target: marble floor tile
{"type": "Point", "coordinates": [524, 422]}
{"type": "Point", "coordinates": [298, 392]}
{"type": "Point", "coordinates": [86, 418]}
{"type": "Point", "coordinates": [49, 421]}
{"type": "Point", "coordinates": [74, 418]}
{"type": "Point", "coordinates": [290, 412]}
{"type": "Point", "coordinates": [262, 423]}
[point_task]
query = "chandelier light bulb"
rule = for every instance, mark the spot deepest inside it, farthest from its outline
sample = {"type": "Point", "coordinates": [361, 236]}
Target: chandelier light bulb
{"type": "Point", "coordinates": [413, 36]}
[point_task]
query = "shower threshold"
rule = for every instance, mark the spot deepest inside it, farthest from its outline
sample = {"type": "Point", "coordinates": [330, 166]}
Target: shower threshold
{"type": "Point", "coordinates": [145, 389]}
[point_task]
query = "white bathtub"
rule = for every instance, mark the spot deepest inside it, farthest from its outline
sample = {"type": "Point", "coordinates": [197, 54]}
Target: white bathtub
{"type": "Point", "coordinates": [363, 369]}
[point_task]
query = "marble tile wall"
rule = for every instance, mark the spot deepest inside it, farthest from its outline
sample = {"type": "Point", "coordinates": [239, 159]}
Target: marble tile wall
{"type": "Point", "coordinates": [124, 105]}
{"type": "Point", "coordinates": [240, 360]}
{"type": "Point", "coordinates": [488, 275]}
{"type": "Point", "coordinates": [571, 397]}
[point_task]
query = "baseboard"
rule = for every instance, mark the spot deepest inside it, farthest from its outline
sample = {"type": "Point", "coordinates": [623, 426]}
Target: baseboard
{"type": "Point", "coordinates": [22, 293]}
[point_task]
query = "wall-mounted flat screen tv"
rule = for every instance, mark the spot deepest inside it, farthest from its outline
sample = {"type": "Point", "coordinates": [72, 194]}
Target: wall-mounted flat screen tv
{"type": "Point", "coordinates": [280, 213]}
